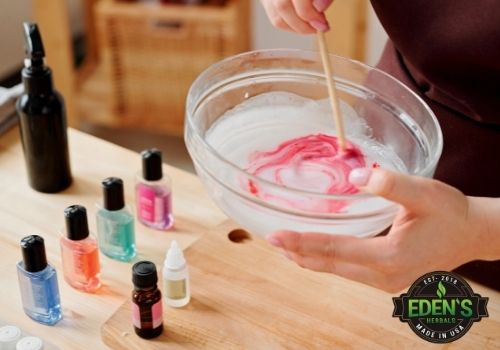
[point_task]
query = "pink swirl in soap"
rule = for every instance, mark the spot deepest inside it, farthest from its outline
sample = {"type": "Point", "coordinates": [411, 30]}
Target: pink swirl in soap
{"type": "Point", "coordinates": [312, 163]}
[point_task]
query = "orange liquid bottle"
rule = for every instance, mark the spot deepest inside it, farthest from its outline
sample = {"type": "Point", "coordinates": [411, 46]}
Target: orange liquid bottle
{"type": "Point", "coordinates": [79, 251]}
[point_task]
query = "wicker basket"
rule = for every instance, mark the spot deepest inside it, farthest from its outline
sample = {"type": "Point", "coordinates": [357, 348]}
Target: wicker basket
{"type": "Point", "coordinates": [152, 53]}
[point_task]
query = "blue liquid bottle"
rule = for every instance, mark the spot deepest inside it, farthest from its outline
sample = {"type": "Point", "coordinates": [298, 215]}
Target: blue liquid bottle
{"type": "Point", "coordinates": [115, 224]}
{"type": "Point", "coordinates": [38, 283]}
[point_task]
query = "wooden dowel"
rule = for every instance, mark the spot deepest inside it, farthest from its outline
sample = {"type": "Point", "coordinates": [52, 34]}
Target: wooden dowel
{"type": "Point", "coordinates": [337, 116]}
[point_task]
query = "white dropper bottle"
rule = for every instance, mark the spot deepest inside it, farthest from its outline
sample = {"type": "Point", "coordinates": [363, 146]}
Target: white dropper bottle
{"type": "Point", "coordinates": [176, 290]}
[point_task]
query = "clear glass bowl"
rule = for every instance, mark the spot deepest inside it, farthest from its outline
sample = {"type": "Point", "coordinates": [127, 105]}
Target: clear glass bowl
{"type": "Point", "coordinates": [397, 117]}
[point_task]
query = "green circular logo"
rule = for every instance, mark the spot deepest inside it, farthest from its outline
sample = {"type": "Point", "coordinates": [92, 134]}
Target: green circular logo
{"type": "Point", "coordinates": [440, 307]}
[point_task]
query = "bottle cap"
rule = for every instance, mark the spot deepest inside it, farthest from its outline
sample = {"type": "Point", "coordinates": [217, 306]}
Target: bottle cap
{"type": "Point", "coordinates": [151, 164]}
{"type": "Point", "coordinates": [77, 227]}
{"type": "Point", "coordinates": [113, 193]}
{"type": "Point", "coordinates": [30, 343]}
{"type": "Point", "coordinates": [9, 335]}
{"type": "Point", "coordinates": [37, 77]}
{"type": "Point", "coordinates": [144, 274]}
{"type": "Point", "coordinates": [34, 257]}
{"type": "Point", "coordinates": [175, 258]}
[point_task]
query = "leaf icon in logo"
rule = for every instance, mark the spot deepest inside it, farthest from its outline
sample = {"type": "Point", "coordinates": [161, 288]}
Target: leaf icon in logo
{"type": "Point", "coordinates": [441, 291]}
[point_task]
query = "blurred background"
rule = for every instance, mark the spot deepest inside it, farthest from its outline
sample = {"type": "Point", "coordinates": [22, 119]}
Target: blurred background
{"type": "Point", "coordinates": [124, 67]}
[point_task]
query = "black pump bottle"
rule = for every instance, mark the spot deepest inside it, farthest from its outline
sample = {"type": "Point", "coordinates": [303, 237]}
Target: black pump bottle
{"type": "Point", "coordinates": [42, 121]}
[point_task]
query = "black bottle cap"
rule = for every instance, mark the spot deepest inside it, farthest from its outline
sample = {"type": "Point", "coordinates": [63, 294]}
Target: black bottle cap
{"type": "Point", "coordinates": [33, 45]}
{"type": "Point", "coordinates": [113, 193]}
{"type": "Point", "coordinates": [34, 257]}
{"type": "Point", "coordinates": [37, 77]}
{"type": "Point", "coordinates": [77, 227]}
{"type": "Point", "coordinates": [144, 274]}
{"type": "Point", "coordinates": [151, 164]}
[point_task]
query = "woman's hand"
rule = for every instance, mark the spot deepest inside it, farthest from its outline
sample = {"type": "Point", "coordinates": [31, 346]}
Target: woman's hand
{"type": "Point", "coordinates": [437, 228]}
{"type": "Point", "coordinates": [300, 16]}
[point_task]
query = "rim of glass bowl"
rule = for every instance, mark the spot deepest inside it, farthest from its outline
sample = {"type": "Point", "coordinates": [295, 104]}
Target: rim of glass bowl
{"type": "Point", "coordinates": [304, 54]}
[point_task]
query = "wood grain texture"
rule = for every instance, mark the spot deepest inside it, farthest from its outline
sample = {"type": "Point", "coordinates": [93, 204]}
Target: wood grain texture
{"type": "Point", "coordinates": [24, 212]}
{"type": "Point", "coordinates": [247, 296]}
{"type": "Point", "coordinates": [348, 20]}
{"type": "Point", "coordinates": [244, 295]}
{"type": "Point", "coordinates": [92, 102]}
{"type": "Point", "coordinates": [53, 20]}
{"type": "Point", "coordinates": [151, 53]}
{"type": "Point", "coordinates": [88, 14]}
{"type": "Point", "coordinates": [75, 84]}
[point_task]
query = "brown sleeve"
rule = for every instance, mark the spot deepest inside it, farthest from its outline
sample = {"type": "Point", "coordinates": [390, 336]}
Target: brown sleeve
{"type": "Point", "coordinates": [451, 50]}
{"type": "Point", "coordinates": [449, 53]}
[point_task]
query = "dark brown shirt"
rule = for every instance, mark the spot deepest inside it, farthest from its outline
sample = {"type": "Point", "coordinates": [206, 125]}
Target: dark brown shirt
{"type": "Point", "coordinates": [448, 51]}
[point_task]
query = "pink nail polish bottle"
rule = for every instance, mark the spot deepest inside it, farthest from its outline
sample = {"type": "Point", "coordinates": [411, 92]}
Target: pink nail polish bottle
{"type": "Point", "coordinates": [154, 193]}
{"type": "Point", "coordinates": [80, 255]}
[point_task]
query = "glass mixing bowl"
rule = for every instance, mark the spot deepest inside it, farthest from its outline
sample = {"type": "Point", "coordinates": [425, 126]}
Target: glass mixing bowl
{"type": "Point", "coordinates": [395, 116]}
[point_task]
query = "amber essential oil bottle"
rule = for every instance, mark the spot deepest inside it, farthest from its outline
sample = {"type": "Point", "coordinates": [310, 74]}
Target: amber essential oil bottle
{"type": "Point", "coordinates": [147, 311]}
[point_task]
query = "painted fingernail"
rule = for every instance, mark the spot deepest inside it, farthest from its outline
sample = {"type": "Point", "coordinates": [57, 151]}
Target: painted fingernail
{"type": "Point", "coordinates": [360, 176]}
{"type": "Point", "coordinates": [319, 25]}
{"type": "Point", "coordinates": [274, 242]}
{"type": "Point", "coordinates": [321, 5]}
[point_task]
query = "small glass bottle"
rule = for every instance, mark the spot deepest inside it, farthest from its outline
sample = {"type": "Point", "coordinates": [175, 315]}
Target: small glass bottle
{"type": "Point", "coordinates": [176, 288]}
{"type": "Point", "coordinates": [38, 283]}
{"type": "Point", "coordinates": [147, 310]}
{"type": "Point", "coordinates": [154, 193]}
{"type": "Point", "coordinates": [115, 224]}
{"type": "Point", "coordinates": [79, 252]}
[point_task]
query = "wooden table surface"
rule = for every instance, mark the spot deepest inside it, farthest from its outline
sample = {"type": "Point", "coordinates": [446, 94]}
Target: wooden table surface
{"type": "Point", "coordinates": [24, 211]}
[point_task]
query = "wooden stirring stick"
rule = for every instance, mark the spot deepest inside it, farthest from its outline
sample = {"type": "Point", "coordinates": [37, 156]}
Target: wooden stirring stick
{"type": "Point", "coordinates": [327, 66]}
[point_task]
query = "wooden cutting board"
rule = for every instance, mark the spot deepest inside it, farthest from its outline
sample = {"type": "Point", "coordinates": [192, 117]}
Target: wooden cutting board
{"type": "Point", "coordinates": [247, 296]}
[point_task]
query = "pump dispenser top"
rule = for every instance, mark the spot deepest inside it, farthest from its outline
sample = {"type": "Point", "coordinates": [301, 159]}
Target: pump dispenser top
{"type": "Point", "coordinates": [34, 45]}
{"type": "Point", "coordinates": [37, 77]}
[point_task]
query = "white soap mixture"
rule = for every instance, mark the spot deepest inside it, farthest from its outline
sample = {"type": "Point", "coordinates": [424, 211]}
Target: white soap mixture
{"type": "Point", "coordinates": [262, 123]}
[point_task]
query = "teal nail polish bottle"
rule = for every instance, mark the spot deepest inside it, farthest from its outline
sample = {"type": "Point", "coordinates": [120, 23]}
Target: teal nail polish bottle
{"type": "Point", "coordinates": [115, 223]}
